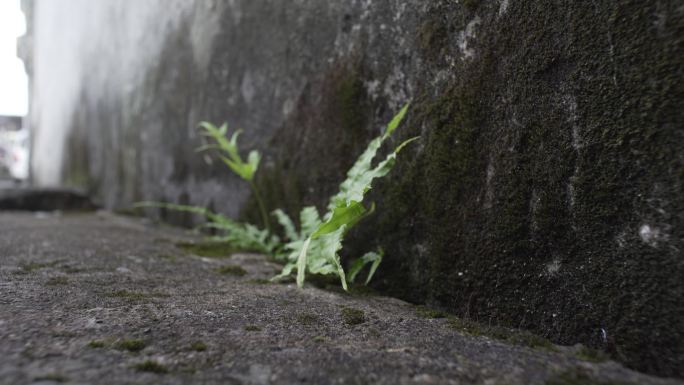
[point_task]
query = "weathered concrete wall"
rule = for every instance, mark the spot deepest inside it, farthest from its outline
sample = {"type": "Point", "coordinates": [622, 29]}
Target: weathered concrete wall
{"type": "Point", "coordinates": [545, 193]}
{"type": "Point", "coordinates": [106, 73]}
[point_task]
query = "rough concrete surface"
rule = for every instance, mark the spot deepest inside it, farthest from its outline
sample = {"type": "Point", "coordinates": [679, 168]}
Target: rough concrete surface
{"type": "Point", "coordinates": [94, 298]}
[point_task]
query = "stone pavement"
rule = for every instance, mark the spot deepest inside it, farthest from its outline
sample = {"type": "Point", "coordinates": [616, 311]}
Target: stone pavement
{"type": "Point", "coordinates": [95, 298]}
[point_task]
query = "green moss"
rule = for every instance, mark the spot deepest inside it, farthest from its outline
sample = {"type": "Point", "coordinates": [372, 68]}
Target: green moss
{"type": "Point", "coordinates": [55, 281]}
{"type": "Point", "coordinates": [72, 270]}
{"type": "Point", "coordinates": [96, 344]}
{"type": "Point", "coordinates": [434, 36]}
{"type": "Point", "coordinates": [350, 94]}
{"type": "Point", "coordinates": [233, 270]}
{"type": "Point", "coordinates": [465, 326]}
{"type": "Point", "coordinates": [578, 376]}
{"type": "Point", "coordinates": [521, 338]}
{"type": "Point", "coordinates": [132, 345]}
{"type": "Point", "coordinates": [427, 312]}
{"type": "Point", "coordinates": [351, 316]}
{"type": "Point", "coordinates": [207, 249]}
{"type": "Point", "coordinates": [151, 366]}
{"type": "Point", "coordinates": [471, 4]}
{"type": "Point", "coordinates": [543, 150]}
{"type": "Point", "coordinates": [591, 355]}
{"type": "Point", "coordinates": [361, 290]}
{"type": "Point", "coordinates": [511, 336]}
{"type": "Point", "coordinates": [198, 346]}
{"type": "Point", "coordinates": [252, 328]}
{"type": "Point", "coordinates": [308, 319]}
{"type": "Point", "coordinates": [375, 333]}
{"type": "Point", "coordinates": [33, 266]}
{"type": "Point", "coordinates": [54, 377]}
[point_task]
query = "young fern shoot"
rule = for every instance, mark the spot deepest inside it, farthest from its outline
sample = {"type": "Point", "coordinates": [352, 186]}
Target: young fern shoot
{"type": "Point", "coordinates": [229, 154]}
{"type": "Point", "coordinates": [244, 236]}
{"type": "Point", "coordinates": [315, 248]}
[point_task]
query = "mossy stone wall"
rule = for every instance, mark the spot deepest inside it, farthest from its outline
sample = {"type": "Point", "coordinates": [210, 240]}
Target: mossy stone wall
{"type": "Point", "coordinates": [548, 195]}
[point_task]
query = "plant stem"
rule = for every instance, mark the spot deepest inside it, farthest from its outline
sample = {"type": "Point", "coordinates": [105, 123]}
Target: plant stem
{"type": "Point", "coordinates": [262, 208]}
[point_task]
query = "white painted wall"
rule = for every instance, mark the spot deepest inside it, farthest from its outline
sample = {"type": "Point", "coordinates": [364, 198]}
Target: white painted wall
{"type": "Point", "coordinates": [69, 33]}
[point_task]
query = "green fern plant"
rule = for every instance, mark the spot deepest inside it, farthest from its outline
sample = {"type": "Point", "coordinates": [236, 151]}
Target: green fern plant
{"type": "Point", "coordinates": [229, 154]}
{"type": "Point", "coordinates": [314, 247]}
{"type": "Point", "coordinates": [243, 236]}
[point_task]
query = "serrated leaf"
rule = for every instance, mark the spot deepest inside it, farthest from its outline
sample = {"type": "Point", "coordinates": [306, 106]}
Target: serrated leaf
{"type": "Point", "coordinates": [241, 235]}
{"type": "Point", "coordinates": [287, 270]}
{"type": "Point", "coordinates": [352, 188]}
{"type": "Point", "coordinates": [318, 254]}
{"type": "Point", "coordinates": [301, 263]}
{"type": "Point", "coordinates": [310, 220]}
{"type": "Point", "coordinates": [341, 216]}
{"type": "Point", "coordinates": [371, 257]}
{"type": "Point", "coordinates": [331, 243]}
{"type": "Point", "coordinates": [232, 148]}
{"type": "Point", "coordinates": [287, 224]}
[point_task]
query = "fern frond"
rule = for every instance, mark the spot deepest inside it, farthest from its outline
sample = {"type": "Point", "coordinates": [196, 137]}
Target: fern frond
{"type": "Point", "coordinates": [316, 249]}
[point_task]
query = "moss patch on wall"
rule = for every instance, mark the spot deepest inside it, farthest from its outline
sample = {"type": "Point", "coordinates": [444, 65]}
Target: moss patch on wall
{"type": "Point", "coordinates": [548, 191]}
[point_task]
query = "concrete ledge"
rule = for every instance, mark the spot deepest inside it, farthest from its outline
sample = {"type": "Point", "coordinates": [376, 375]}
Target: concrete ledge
{"type": "Point", "coordinates": [44, 199]}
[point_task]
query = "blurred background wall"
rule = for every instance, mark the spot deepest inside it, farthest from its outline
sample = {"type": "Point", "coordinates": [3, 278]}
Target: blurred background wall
{"type": "Point", "coordinates": [545, 192]}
